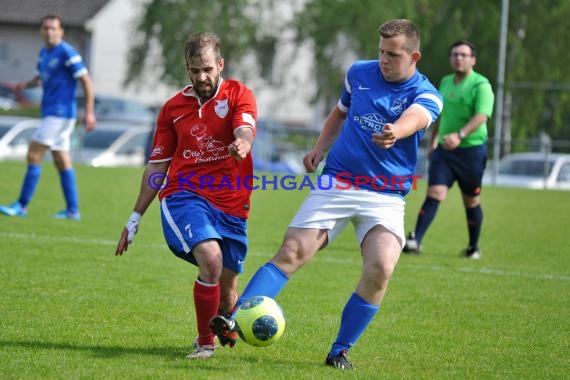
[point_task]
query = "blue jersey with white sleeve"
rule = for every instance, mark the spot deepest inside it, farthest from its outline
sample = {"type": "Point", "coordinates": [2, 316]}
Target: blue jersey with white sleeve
{"type": "Point", "coordinates": [59, 67]}
{"type": "Point", "coordinates": [370, 102]}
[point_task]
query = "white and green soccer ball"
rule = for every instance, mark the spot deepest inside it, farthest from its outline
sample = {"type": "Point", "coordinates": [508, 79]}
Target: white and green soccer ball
{"type": "Point", "coordinates": [260, 321]}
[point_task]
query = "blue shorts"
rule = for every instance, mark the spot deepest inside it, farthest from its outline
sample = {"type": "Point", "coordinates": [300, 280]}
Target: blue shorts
{"type": "Point", "coordinates": [188, 219]}
{"type": "Point", "coordinates": [464, 165]}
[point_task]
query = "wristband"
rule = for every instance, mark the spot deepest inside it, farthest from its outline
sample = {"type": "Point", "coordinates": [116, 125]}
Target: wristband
{"type": "Point", "coordinates": [135, 217]}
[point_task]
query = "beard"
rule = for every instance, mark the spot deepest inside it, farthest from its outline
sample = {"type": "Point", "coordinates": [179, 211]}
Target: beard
{"type": "Point", "coordinates": [206, 89]}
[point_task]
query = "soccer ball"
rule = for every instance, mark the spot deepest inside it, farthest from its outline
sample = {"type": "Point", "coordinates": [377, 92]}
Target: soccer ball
{"type": "Point", "coordinates": [260, 321]}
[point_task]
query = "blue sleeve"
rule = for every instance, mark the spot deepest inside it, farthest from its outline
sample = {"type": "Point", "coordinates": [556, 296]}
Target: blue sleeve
{"type": "Point", "coordinates": [431, 101]}
{"type": "Point", "coordinates": [74, 62]}
{"type": "Point", "coordinates": [345, 98]}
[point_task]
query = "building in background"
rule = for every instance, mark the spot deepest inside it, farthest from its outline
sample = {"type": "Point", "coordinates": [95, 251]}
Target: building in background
{"type": "Point", "coordinates": [101, 30]}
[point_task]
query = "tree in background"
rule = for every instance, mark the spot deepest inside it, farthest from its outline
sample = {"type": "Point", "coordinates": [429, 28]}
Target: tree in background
{"type": "Point", "coordinates": [537, 82]}
{"type": "Point", "coordinates": [339, 31]}
{"type": "Point", "coordinates": [244, 26]}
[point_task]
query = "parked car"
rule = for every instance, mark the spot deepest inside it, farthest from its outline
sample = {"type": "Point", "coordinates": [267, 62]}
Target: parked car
{"type": "Point", "coordinates": [28, 97]}
{"type": "Point", "coordinates": [272, 154]}
{"type": "Point", "coordinates": [8, 104]}
{"type": "Point", "coordinates": [285, 163]}
{"type": "Point", "coordinates": [111, 144]}
{"type": "Point", "coordinates": [112, 108]}
{"type": "Point", "coordinates": [533, 170]}
{"type": "Point", "coordinates": [15, 135]}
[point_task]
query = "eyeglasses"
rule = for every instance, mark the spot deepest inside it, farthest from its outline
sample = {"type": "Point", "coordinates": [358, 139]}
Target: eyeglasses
{"type": "Point", "coordinates": [461, 55]}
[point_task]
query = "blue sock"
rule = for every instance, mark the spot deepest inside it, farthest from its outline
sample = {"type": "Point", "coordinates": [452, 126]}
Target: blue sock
{"type": "Point", "coordinates": [267, 281]}
{"type": "Point", "coordinates": [69, 187]}
{"type": "Point", "coordinates": [30, 183]}
{"type": "Point", "coordinates": [425, 217]}
{"type": "Point", "coordinates": [474, 222]}
{"type": "Point", "coordinates": [356, 317]}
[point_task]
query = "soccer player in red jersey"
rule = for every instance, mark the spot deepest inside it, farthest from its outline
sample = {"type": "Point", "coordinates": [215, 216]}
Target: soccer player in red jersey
{"type": "Point", "coordinates": [200, 158]}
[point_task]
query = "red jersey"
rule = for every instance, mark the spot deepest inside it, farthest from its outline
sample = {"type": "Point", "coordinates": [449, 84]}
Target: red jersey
{"type": "Point", "coordinates": [195, 138]}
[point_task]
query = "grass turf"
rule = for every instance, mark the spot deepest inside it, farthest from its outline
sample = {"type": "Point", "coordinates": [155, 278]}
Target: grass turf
{"type": "Point", "coordinates": [70, 309]}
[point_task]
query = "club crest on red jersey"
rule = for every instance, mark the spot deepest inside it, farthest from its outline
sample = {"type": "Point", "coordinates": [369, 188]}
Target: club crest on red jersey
{"type": "Point", "coordinates": [222, 108]}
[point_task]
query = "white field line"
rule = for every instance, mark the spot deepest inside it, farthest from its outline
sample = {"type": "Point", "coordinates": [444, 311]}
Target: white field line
{"type": "Point", "coordinates": [495, 272]}
{"type": "Point", "coordinates": [320, 256]}
{"type": "Point", "coordinates": [64, 239]}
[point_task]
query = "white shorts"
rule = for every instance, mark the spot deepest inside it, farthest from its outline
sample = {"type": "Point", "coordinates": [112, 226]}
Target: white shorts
{"type": "Point", "coordinates": [55, 132]}
{"type": "Point", "coordinates": [332, 209]}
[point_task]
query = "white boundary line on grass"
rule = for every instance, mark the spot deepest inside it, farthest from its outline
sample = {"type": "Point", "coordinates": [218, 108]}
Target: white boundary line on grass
{"type": "Point", "coordinates": [496, 272]}
{"type": "Point", "coordinates": [500, 272]}
{"type": "Point", "coordinates": [93, 241]}
{"type": "Point", "coordinates": [66, 239]}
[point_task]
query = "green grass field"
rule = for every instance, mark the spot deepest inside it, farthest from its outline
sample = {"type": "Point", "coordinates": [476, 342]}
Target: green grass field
{"type": "Point", "coordinates": [70, 309]}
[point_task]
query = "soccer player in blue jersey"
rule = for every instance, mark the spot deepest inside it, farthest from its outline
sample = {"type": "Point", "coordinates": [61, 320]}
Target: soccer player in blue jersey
{"type": "Point", "coordinates": [372, 137]}
{"type": "Point", "coordinates": [59, 68]}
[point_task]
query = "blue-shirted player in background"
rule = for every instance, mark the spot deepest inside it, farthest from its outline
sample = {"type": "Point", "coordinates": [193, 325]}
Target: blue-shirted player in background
{"type": "Point", "coordinates": [373, 133]}
{"type": "Point", "coordinates": [59, 68]}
